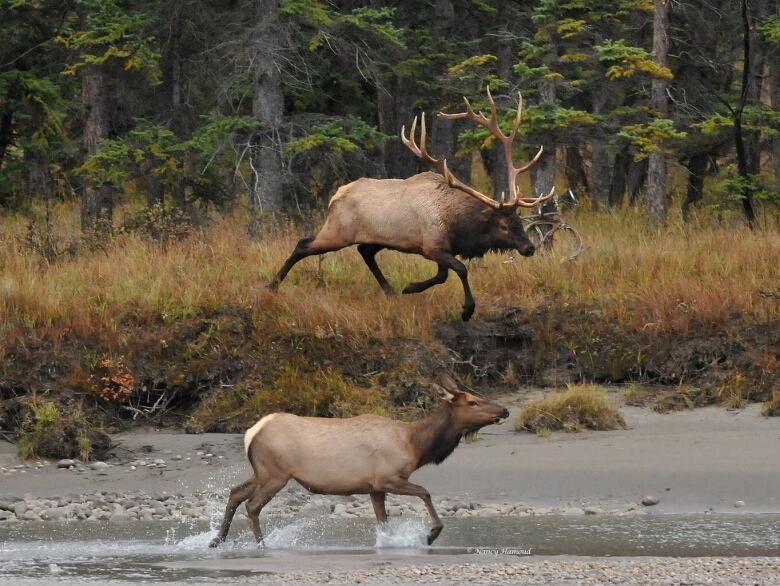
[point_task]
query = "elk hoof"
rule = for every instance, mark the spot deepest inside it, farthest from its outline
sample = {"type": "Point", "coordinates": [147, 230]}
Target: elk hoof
{"type": "Point", "coordinates": [468, 311]}
{"type": "Point", "coordinates": [215, 542]}
{"type": "Point", "coordinates": [434, 534]}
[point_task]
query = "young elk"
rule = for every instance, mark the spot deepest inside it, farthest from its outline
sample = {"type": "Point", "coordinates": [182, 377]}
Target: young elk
{"type": "Point", "coordinates": [368, 454]}
{"type": "Point", "coordinates": [431, 214]}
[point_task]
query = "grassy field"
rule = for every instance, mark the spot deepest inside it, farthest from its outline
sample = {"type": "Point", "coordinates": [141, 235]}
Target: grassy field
{"type": "Point", "coordinates": [193, 316]}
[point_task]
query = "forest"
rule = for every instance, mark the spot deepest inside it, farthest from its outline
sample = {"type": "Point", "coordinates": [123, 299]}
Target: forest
{"type": "Point", "coordinates": [158, 161]}
{"type": "Point", "coordinates": [273, 104]}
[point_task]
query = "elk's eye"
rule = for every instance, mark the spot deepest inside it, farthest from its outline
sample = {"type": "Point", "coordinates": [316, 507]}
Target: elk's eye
{"type": "Point", "coordinates": [473, 403]}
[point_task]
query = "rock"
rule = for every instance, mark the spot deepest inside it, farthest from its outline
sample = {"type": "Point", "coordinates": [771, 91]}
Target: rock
{"type": "Point", "coordinates": [649, 500]}
{"type": "Point", "coordinates": [29, 516]}
{"type": "Point", "coordinates": [315, 509]}
{"type": "Point", "coordinates": [55, 514]}
{"type": "Point", "coordinates": [9, 504]}
{"type": "Point", "coordinates": [739, 504]}
{"type": "Point", "coordinates": [99, 466]}
{"type": "Point", "coordinates": [20, 508]}
{"type": "Point", "coordinates": [66, 463]}
{"type": "Point", "coordinates": [176, 457]}
{"type": "Point", "coordinates": [158, 462]}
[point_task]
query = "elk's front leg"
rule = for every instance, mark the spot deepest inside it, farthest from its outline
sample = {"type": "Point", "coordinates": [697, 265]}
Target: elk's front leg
{"type": "Point", "coordinates": [405, 487]}
{"type": "Point", "coordinates": [420, 286]}
{"type": "Point", "coordinates": [378, 501]}
{"type": "Point", "coordinates": [448, 260]}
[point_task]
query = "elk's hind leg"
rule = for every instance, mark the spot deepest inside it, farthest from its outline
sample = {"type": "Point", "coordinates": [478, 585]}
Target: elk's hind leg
{"type": "Point", "coordinates": [238, 494]}
{"type": "Point", "coordinates": [306, 247]}
{"type": "Point", "coordinates": [369, 252]}
{"type": "Point", "coordinates": [421, 286]}
{"type": "Point", "coordinates": [262, 495]}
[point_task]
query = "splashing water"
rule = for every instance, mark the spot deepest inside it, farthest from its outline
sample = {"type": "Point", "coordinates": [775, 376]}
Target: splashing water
{"type": "Point", "coordinates": [401, 533]}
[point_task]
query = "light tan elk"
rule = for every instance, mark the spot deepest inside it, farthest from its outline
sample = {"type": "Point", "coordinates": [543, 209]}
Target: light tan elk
{"type": "Point", "coordinates": [368, 454]}
{"type": "Point", "coordinates": [431, 214]}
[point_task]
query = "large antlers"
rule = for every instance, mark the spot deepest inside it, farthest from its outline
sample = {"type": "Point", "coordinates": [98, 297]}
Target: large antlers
{"type": "Point", "coordinates": [506, 141]}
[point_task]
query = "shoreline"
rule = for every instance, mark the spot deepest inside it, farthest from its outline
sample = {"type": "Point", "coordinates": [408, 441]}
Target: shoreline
{"type": "Point", "coordinates": [703, 461]}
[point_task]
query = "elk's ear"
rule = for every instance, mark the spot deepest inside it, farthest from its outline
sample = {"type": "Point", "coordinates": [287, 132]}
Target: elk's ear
{"type": "Point", "coordinates": [443, 393]}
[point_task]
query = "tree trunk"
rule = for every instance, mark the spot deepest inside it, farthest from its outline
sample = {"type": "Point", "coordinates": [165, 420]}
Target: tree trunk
{"type": "Point", "coordinates": [544, 177]}
{"type": "Point", "coordinates": [174, 82]}
{"type": "Point", "coordinates": [656, 169]}
{"type": "Point", "coordinates": [617, 188]}
{"type": "Point", "coordinates": [600, 158]}
{"type": "Point", "coordinates": [758, 50]}
{"type": "Point", "coordinates": [576, 176]}
{"type": "Point", "coordinates": [394, 109]}
{"type": "Point", "coordinates": [637, 179]}
{"type": "Point", "coordinates": [495, 163]}
{"type": "Point", "coordinates": [6, 132]}
{"type": "Point", "coordinates": [743, 164]}
{"type": "Point", "coordinates": [268, 107]}
{"type": "Point", "coordinates": [97, 205]}
{"type": "Point", "coordinates": [774, 96]}
{"type": "Point", "coordinates": [697, 167]}
{"type": "Point", "coordinates": [444, 139]}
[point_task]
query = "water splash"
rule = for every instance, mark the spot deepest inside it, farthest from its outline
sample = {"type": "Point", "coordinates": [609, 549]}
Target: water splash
{"type": "Point", "coordinates": [401, 533]}
{"type": "Point", "coordinates": [292, 535]}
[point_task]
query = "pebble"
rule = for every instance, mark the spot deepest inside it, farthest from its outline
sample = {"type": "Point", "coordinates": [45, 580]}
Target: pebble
{"type": "Point", "coordinates": [100, 466]}
{"type": "Point", "coordinates": [739, 504]}
{"type": "Point", "coordinates": [66, 463]}
{"type": "Point", "coordinates": [650, 500]}
{"type": "Point", "coordinates": [631, 571]}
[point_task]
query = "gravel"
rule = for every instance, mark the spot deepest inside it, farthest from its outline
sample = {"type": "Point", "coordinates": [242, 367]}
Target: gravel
{"type": "Point", "coordinates": [563, 571]}
{"type": "Point", "coordinates": [205, 505]}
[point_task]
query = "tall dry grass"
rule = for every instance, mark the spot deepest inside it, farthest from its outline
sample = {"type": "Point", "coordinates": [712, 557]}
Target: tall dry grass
{"type": "Point", "coordinates": [637, 277]}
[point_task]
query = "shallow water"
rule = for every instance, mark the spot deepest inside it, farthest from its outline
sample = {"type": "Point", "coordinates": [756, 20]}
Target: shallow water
{"type": "Point", "coordinates": [87, 552]}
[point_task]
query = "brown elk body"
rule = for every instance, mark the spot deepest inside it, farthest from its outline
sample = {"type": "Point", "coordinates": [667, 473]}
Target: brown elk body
{"type": "Point", "coordinates": [367, 454]}
{"type": "Point", "coordinates": [434, 215]}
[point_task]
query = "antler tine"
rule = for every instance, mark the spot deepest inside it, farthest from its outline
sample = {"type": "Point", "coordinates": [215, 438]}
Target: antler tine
{"type": "Point", "coordinates": [532, 203]}
{"type": "Point", "coordinates": [519, 116]}
{"type": "Point", "coordinates": [453, 181]}
{"type": "Point", "coordinates": [493, 122]}
{"type": "Point", "coordinates": [533, 161]}
{"type": "Point", "coordinates": [409, 142]}
{"type": "Point", "coordinates": [420, 150]}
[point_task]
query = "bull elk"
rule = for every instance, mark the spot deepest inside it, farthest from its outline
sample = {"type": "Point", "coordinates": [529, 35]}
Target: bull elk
{"type": "Point", "coordinates": [367, 454]}
{"type": "Point", "coordinates": [434, 215]}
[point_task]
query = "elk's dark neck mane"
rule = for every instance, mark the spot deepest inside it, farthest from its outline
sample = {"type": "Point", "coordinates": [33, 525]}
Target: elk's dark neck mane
{"type": "Point", "coordinates": [435, 437]}
{"type": "Point", "coordinates": [471, 237]}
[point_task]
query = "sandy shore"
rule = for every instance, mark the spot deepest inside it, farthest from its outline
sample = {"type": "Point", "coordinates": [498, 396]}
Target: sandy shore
{"type": "Point", "coordinates": [693, 461]}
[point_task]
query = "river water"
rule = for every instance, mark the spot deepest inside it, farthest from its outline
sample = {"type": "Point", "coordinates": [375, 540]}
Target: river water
{"type": "Point", "coordinates": [92, 552]}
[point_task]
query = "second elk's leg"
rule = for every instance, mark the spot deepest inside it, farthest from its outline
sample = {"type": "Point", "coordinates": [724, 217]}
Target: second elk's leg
{"type": "Point", "coordinates": [369, 252]}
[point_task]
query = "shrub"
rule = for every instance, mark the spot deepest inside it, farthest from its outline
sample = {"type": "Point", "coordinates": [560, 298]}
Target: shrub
{"type": "Point", "coordinates": [577, 408]}
{"type": "Point", "coordinates": [47, 432]}
{"type": "Point", "coordinates": [772, 405]}
{"type": "Point", "coordinates": [323, 393]}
